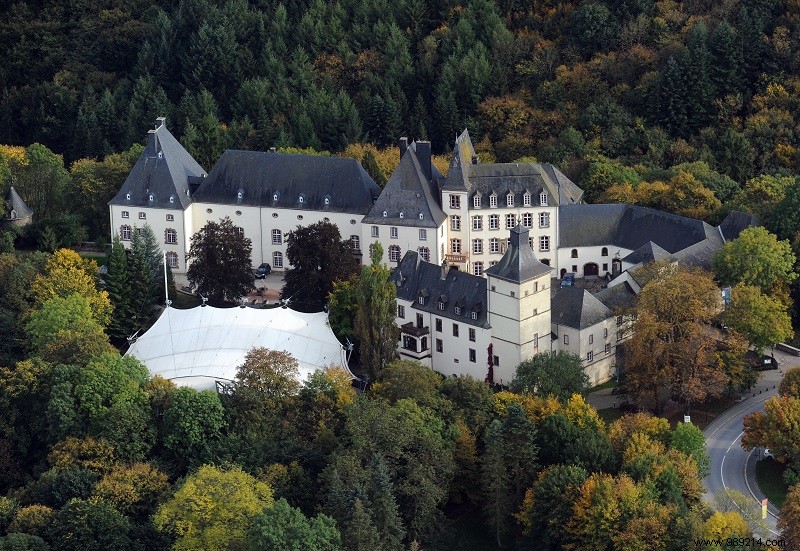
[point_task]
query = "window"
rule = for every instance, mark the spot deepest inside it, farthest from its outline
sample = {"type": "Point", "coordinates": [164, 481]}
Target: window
{"type": "Point", "coordinates": [393, 232]}
{"type": "Point", "coordinates": [494, 222]}
{"type": "Point", "coordinates": [605, 333]}
{"type": "Point", "coordinates": [591, 339]}
{"type": "Point", "coordinates": [526, 199]}
{"type": "Point", "coordinates": [543, 198]}
{"type": "Point", "coordinates": [477, 222]}
{"type": "Point", "coordinates": [277, 237]}
{"type": "Point", "coordinates": [421, 299]}
{"type": "Point", "coordinates": [474, 315]}
{"type": "Point", "coordinates": [544, 219]}
{"type": "Point", "coordinates": [172, 259]}
{"type": "Point", "coordinates": [566, 339]}
{"type": "Point", "coordinates": [420, 320]}
{"type": "Point", "coordinates": [477, 246]}
{"type": "Point", "coordinates": [327, 201]}
{"type": "Point", "coordinates": [527, 220]}
{"type": "Point", "coordinates": [374, 232]}
{"type": "Point", "coordinates": [455, 223]}
{"type": "Point", "coordinates": [455, 201]}
{"type": "Point", "coordinates": [476, 200]}
{"type": "Point", "coordinates": [394, 253]}
{"type": "Point", "coordinates": [455, 246]}
{"type": "Point", "coordinates": [589, 356]}
{"type": "Point", "coordinates": [492, 263]}
{"type": "Point", "coordinates": [170, 218]}
{"type": "Point", "coordinates": [535, 341]}
{"type": "Point", "coordinates": [477, 268]}
{"type": "Point", "coordinates": [423, 235]}
{"type": "Point", "coordinates": [455, 329]}
{"type": "Point", "coordinates": [619, 320]}
{"type": "Point", "coordinates": [438, 325]}
{"type": "Point", "coordinates": [170, 236]}
{"type": "Point", "coordinates": [355, 242]}
{"type": "Point", "coordinates": [472, 334]}
{"type": "Point", "coordinates": [125, 233]}
{"type": "Point", "coordinates": [604, 251]}
{"type": "Point", "coordinates": [494, 245]}
{"type": "Point", "coordinates": [608, 348]}
{"type": "Point", "coordinates": [530, 243]}
{"type": "Point", "coordinates": [142, 216]}
{"type": "Point", "coordinates": [126, 214]}
{"type": "Point", "coordinates": [277, 259]}
{"type": "Point", "coordinates": [472, 355]}
{"type": "Point", "coordinates": [510, 200]}
{"type": "Point", "coordinates": [496, 360]}
{"type": "Point", "coordinates": [439, 347]}
{"type": "Point", "coordinates": [424, 253]}
{"type": "Point", "coordinates": [493, 201]}
{"type": "Point", "coordinates": [385, 214]}
{"type": "Point", "coordinates": [575, 268]}
{"type": "Point", "coordinates": [511, 221]}
{"type": "Point", "coordinates": [545, 261]}
{"type": "Point", "coordinates": [240, 231]}
{"type": "Point", "coordinates": [605, 267]}
{"type": "Point", "coordinates": [401, 311]}
{"type": "Point", "coordinates": [574, 253]}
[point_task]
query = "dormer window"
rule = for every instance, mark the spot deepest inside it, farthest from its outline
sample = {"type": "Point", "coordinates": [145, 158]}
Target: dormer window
{"type": "Point", "coordinates": [385, 214]}
{"type": "Point", "coordinates": [301, 199]}
{"type": "Point", "coordinates": [441, 305]}
{"type": "Point", "coordinates": [510, 200]}
{"type": "Point", "coordinates": [327, 201]}
{"type": "Point", "coordinates": [493, 201]}
{"type": "Point", "coordinates": [421, 300]}
{"type": "Point", "coordinates": [474, 315]}
{"type": "Point", "coordinates": [160, 154]}
{"type": "Point", "coordinates": [240, 194]}
{"type": "Point", "coordinates": [458, 310]}
{"type": "Point", "coordinates": [543, 198]}
{"type": "Point", "coordinates": [275, 196]}
{"type": "Point", "coordinates": [171, 198]}
{"type": "Point", "coordinates": [128, 196]}
{"type": "Point", "coordinates": [421, 216]}
{"type": "Point", "coordinates": [476, 201]}
{"type": "Point", "coordinates": [526, 199]}
{"type": "Point", "coordinates": [401, 214]}
{"type": "Point", "coordinates": [151, 197]}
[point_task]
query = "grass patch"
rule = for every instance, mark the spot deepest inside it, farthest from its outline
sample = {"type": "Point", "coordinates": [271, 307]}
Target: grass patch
{"type": "Point", "coordinates": [769, 475]}
{"type": "Point", "coordinates": [98, 257]}
{"type": "Point", "coordinates": [608, 384]}
{"type": "Point", "coordinates": [610, 415]}
{"type": "Point", "coordinates": [183, 301]}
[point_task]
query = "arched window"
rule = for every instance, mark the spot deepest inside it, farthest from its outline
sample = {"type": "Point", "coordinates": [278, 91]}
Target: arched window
{"type": "Point", "coordinates": [394, 253]}
{"type": "Point", "coordinates": [424, 253]}
{"type": "Point", "coordinates": [604, 252]}
{"type": "Point", "coordinates": [170, 236]}
{"type": "Point", "coordinates": [277, 237]}
{"type": "Point", "coordinates": [574, 253]}
{"type": "Point", "coordinates": [172, 259]}
{"type": "Point", "coordinates": [277, 260]}
{"type": "Point", "coordinates": [125, 233]}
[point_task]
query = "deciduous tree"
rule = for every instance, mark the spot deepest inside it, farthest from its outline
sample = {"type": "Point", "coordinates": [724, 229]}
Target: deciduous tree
{"type": "Point", "coordinates": [284, 527]}
{"type": "Point", "coordinates": [560, 374]}
{"type": "Point", "coordinates": [375, 318]}
{"type": "Point", "coordinates": [221, 266]}
{"type": "Point", "coordinates": [776, 428]}
{"type": "Point", "coordinates": [789, 520]}
{"type": "Point", "coordinates": [762, 319]}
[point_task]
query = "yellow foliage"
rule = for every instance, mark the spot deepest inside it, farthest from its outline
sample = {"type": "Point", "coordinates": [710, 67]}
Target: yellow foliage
{"type": "Point", "coordinates": [342, 384]}
{"type": "Point", "coordinates": [640, 445]}
{"type": "Point", "coordinates": [67, 273]}
{"type": "Point", "coordinates": [133, 490]}
{"type": "Point", "coordinates": [387, 159]}
{"type": "Point", "coordinates": [97, 455]}
{"type": "Point", "coordinates": [726, 525]}
{"type": "Point", "coordinates": [580, 413]}
{"type": "Point", "coordinates": [33, 519]}
{"type": "Point", "coordinates": [14, 154]}
{"type": "Point", "coordinates": [621, 430]}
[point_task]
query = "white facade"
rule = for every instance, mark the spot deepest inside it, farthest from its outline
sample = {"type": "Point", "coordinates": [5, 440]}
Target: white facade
{"type": "Point", "coordinates": [397, 239]}
{"type": "Point", "coordinates": [595, 345]}
{"type": "Point", "coordinates": [168, 225]}
{"type": "Point", "coordinates": [580, 260]}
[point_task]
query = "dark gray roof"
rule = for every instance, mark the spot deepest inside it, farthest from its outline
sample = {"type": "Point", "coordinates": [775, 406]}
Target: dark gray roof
{"type": "Point", "coordinates": [503, 178]}
{"type": "Point", "coordinates": [701, 254]}
{"type": "Point", "coordinates": [278, 180]}
{"type": "Point", "coordinates": [736, 222]}
{"type": "Point", "coordinates": [415, 278]}
{"type": "Point", "coordinates": [518, 263]}
{"type": "Point", "coordinates": [408, 192]}
{"type": "Point", "coordinates": [628, 226]}
{"type": "Point", "coordinates": [15, 203]}
{"type": "Point", "coordinates": [648, 252]}
{"type": "Point", "coordinates": [161, 174]}
{"type": "Point", "coordinates": [577, 308]}
{"type": "Point", "coordinates": [618, 298]}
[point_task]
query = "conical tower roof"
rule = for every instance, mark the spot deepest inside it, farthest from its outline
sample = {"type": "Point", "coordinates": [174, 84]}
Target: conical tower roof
{"type": "Point", "coordinates": [16, 207]}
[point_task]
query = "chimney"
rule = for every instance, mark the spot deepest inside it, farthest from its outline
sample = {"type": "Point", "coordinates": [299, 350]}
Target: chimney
{"type": "Point", "coordinates": [445, 269]}
{"type": "Point", "coordinates": [161, 121]}
{"type": "Point", "coordinates": [272, 149]}
{"type": "Point", "coordinates": [403, 146]}
{"type": "Point", "coordinates": [152, 142]}
{"type": "Point", "coordinates": [424, 158]}
{"type": "Point", "coordinates": [476, 159]}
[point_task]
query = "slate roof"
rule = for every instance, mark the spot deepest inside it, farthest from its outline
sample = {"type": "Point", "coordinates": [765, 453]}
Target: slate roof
{"type": "Point", "coordinates": [519, 263]}
{"type": "Point", "coordinates": [162, 172]}
{"type": "Point", "coordinates": [577, 308]}
{"type": "Point", "coordinates": [14, 202]}
{"type": "Point", "coordinates": [408, 192]}
{"type": "Point", "coordinates": [736, 222]}
{"type": "Point", "coordinates": [503, 178]}
{"type": "Point", "coordinates": [648, 252]}
{"type": "Point", "coordinates": [618, 298]}
{"type": "Point", "coordinates": [701, 254]}
{"type": "Point", "coordinates": [415, 278]}
{"type": "Point", "coordinates": [255, 178]}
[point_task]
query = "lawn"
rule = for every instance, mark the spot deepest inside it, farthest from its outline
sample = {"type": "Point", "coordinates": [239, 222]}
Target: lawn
{"type": "Point", "coordinates": [185, 301]}
{"type": "Point", "coordinates": [769, 475]}
{"type": "Point", "coordinates": [608, 384]}
{"type": "Point", "coordinates": [610, 415]}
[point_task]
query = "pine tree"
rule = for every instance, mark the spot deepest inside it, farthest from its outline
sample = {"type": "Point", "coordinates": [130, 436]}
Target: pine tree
{"type": "Point", "coordinates": [726, 67]}
{"type": "Point", "coordinates": [118, 287]}
{"type": "Point", "coordinates": [370, 164]}
{"type": "Point", "coordinates": [360, 534]}
{"type": "Point", "coordinates": [498, 502]}
{"type": "Point", "coordinates": [385, 515]}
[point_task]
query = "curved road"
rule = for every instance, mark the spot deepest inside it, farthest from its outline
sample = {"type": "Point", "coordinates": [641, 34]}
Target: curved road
{"type": "Point", "coordinates": [731, 466]}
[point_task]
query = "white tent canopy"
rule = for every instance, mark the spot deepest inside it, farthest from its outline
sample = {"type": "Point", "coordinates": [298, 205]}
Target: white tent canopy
{"type": "Point", "coordinates": [202, 345]}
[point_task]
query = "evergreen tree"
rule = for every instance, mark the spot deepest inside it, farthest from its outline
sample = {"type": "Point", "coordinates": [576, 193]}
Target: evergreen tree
{"type": "Point", "coordinates": [140, 281]}
{"type": "Point", "coordinates": [670, 108]}
{"type": "Point", "coordinates": [726, 54]}
{"type": "Point", "coordinates": [498, 504]}
{"type": "Point", "coordinates": [370, 164]}
{"type": "Point", "coordinates": [696, 67]}
{"type": "Point", "coordinates": [375, 320]}
{"type": "Point", "coordinates": [383, 504]}
{"type": "Point", "coordinates": [446, 115]}
{"type": "Point", "coordinates": [118, 287]}
{"type": "Point", "coordinates": [360, 534]}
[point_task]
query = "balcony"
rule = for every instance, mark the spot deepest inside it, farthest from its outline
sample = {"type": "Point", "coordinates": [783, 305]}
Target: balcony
{"type": "Point", "coordinates": [413, 330]}
{"type": "Point", "coordinates": [453, 257]}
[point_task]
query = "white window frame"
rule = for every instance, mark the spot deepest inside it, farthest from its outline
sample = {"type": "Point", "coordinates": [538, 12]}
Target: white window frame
{"type": "Point", "coordinates": [494, 221]}
{"type": "Point", "coordinates": [543, 198]}
{"type": "Point", "coordinates": [527, 220]}
{"type": "Point", "coordinates": [477, 269]}
{"type": "Point", "coordinates": [277, 237]}
{"type": "Point", "coordinates": [171, 236]}
{"type": "Point", "coordinates": [477, 223]}
{"type": "Point", "coordinates": [477, 246]}
{"type": "Point", "coordinates": [494, 245]}
{"type": "Point", "coordinates": [455, 246]}
{"type": "Point", "coordinates": [424, 253]}
{"type": "Point", "coordinates": [394, 253]}
{"type": "Point", "coordinates": [455, 201]}
{"type": "Point", "coordinates": [142, 216]}
{"type": "Point", "coordinates": [510, 200]}
{"type": "Point", "coordinates": [125, 232]}
{"type": "Point", "coordinates": [126, 214]}
{"type": "Point", "coordinates": [393, 232]}
{"type": "Point", "coordinates": [355, 242]}
{"type": "Point", "coordinates": [544, 219]}
{"type": "Point", "coordinates": [172, 259]}
{"type": "Point", "coordinates": [526, 199]}
{"type": "Point", "coordinates": [455, 223]}
{"type": "Point", "coordinates": [375, 231]}
{"type": "Point", "coordinates": [493, 201]}
{"type": "Point", "coordinates": [476, 201]}
{"type": "Point", "coordinates": [511, 221]}
{"type": "Point", "coordinates": [544, 243]}
{"type": "Point", "coordinates": [423, 235]}
{"type": "Point", "coordinates": [170, 218]}
{"type": "Point", "coordinates": [277, 259]}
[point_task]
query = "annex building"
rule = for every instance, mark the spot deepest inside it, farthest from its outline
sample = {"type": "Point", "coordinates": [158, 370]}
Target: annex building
{"type": "Point", "coordinates": [477, 254]}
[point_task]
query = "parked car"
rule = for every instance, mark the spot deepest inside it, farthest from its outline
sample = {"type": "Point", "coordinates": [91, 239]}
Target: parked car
{"type": "Point", "coordinates": [767, 452]}
{"type": "Point", "coordinates": [568, 280]}
{"type": "Point", "coordinates": [767, 363]}
{"type": "Point", "coordinates": [263, 270]}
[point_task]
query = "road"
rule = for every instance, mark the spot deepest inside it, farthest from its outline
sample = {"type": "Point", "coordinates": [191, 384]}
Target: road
{"type": "Point", "coordinates": [732, 466]}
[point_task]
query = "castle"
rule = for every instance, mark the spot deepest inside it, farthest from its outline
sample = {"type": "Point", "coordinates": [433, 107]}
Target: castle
{"type": "Point", "coordinates": [477, 254]}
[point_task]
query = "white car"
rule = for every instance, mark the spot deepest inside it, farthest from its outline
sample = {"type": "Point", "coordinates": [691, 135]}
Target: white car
{"type": "Point", "coordinates": [766, 453]}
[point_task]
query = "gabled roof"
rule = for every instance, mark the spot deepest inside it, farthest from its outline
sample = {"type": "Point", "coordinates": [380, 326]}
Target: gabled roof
{"type": "Point", "coordinates": [466, 173]}
{"type": "Point", "coordinates": [618, 298]}
{"type": "Point", "coordinates": [648, 252]}
{"type": "Point", "coordinates": [160, 178]}
{"type": "Point", "coordinates": [15, 205]}
{"type": "Point", "coordinates": [519, 263]}
{"type": "Point", "coordinates": [577, 308]}
{"type": "Point", "coordinates": [415, 278]}
{"type": "Point", "coordinates": [736, 222]}
{"type": "Point", "coordinates": [279, 180]}
{"type": "Point", "coordinates": [408, 192]}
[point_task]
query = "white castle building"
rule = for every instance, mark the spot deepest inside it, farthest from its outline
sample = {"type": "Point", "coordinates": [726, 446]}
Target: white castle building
{"type": "Point", "coordinates": [477, 253]}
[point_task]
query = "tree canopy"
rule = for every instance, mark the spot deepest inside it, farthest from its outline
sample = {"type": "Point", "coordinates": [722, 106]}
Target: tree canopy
{"type": "Point", "coordinates": [551, 373]}
{"type": "Point", "coordinates": [221, 265]}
